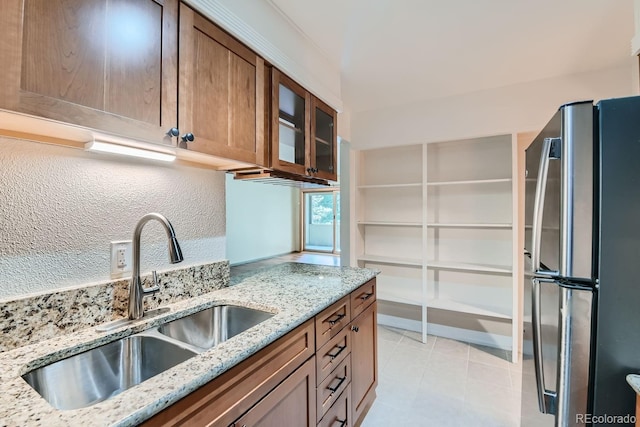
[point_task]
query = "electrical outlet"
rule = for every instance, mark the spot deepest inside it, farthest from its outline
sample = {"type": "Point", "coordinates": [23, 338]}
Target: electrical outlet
{"type": "Point", "coordinates": [120, 258]}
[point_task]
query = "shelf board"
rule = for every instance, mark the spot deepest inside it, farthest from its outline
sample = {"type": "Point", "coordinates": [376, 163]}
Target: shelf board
{"type": "Point", "coordinates": [391, 223]}
{"type": "Point", "coordinates": [483, 268]}
{"type": "Point", "coordinates": [323, 141]}
{"type": "Point", "coordinates": [286, 123]}
{"type": "Point", "coordinates": [407, 185]}
{"type": "Point", "coordinates": [442, 304]}
{"type": "Point", "coordinates": [473, 182]}
{"type": "Point", "coordinates": [449, 305]}
{"type": "Point", "coordinates": [468, 225]}
{"type": "Point", "coordinates": [391, 260]}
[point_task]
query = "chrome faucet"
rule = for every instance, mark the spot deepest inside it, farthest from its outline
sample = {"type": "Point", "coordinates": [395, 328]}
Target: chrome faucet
{"type": "Point", "coordinates": [136, 291]}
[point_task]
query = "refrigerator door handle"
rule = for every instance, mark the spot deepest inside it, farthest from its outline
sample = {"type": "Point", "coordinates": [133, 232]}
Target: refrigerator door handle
{"type": "Point", "coordinates": [538, 205]}
{"type": "Point", "coordinates": [546, 399]}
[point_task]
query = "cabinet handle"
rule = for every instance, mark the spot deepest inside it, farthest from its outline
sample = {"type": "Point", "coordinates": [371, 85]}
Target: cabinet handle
{"type": "Point", "coordinates": [173, 132]}
{"type": "Point", "coordinates": [342, 422]}
{"type": "Point", "coordinates": [338, 318]}
{"type": "Point", "coordinates": [188, 137]}
{"type": "Point", "coordinates": [336, 354]}
{"type": "Point", "coordinates": [334, 389]}
{"type": "Point", "coordinates": [366, 296]}
{"type": "Point", "coordinates": [354, 328]}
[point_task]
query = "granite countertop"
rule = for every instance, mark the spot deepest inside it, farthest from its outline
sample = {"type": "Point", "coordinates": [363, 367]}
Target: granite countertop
{"type": "Point", "coordinates": [294, 292]}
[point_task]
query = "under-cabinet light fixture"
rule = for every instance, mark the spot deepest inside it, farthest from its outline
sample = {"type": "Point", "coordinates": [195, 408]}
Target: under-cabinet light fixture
{"type": "Point", "coordinates": [114, 145]}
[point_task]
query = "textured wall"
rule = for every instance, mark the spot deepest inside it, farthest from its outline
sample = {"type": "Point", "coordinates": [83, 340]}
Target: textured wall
{"type": "Point", "coordinates": [60, 208]}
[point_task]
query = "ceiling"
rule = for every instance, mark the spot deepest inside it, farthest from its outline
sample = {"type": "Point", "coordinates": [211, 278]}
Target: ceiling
{"type": "Point", "coordinates": [392, 52]}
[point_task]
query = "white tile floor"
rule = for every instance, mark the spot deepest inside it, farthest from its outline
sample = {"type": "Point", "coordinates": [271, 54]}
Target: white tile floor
{"type": "Point", "coordinates": [442, 383]}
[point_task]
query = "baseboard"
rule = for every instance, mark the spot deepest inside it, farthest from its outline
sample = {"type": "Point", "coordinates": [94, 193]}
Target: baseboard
{"type": "Point", "coordinates": [473, 337]}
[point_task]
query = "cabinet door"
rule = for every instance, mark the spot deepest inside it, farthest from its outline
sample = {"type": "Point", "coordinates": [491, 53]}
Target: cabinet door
{"type": "Point", "coordinates": [221, 91]}
{"type": "Point", "coordinates": [324, 141]}
{"type": "Point", "coordinates": [290, 125]}
{"type": "Point", "coordinates": [292, 403]}
{"type": "Point", "coordinates": [364, 358]}
{"type": "Point", "coordinates": [104, 64]}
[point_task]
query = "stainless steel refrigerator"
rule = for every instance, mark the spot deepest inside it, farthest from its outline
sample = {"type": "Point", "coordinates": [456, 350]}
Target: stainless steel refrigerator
{"type": "Point", "coordinates": [582, 266]}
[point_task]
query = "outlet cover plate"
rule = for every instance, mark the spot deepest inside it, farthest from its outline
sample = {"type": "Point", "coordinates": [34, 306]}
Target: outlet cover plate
{"type": "Point", "coordinates": [116, 272]}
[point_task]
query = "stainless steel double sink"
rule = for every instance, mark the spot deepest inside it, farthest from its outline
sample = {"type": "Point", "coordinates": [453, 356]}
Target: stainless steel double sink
{"type": "Point", "coordinates": [103, 372]}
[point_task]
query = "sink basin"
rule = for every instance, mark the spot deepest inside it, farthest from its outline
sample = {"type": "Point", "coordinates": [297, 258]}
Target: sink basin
{"type": "Point", "coordinates": [210, 327]}
{"type": "Point", "coordinates": [98, 374]}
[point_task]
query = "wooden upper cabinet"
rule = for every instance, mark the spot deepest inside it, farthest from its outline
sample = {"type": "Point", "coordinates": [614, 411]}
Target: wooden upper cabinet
{"type": "Point", "coordinates": [221, 91]}
{"type": "Point", "coordinates": [109, 65]}
{"type": "Point", "coordinates": [324, 140]}
{"type": "Point", "coordinates": [303, 131]}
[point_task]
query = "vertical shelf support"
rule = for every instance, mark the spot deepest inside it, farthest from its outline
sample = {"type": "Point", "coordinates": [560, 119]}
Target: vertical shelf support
{"type": "Point", "coordinates": [424, 243]}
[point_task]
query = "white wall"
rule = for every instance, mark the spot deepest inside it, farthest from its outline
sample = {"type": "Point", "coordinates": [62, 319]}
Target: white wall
{"type": "Point", "coordinates": [263, 220]}
{"type": "Point", "coordinates": [60, 207]}
{"type": "Point", "coordinates": [509, 109]}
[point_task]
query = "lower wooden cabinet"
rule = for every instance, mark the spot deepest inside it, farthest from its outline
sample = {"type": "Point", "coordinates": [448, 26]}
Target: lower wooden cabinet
{"type": "Point", "coordinates": [292, 403]}
{"type": "Point", "coordinates": [364, 344]}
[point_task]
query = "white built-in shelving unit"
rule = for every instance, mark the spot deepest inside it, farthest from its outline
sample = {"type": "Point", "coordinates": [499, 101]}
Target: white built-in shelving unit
{"type": "Point", "coordinates": [438, 221]}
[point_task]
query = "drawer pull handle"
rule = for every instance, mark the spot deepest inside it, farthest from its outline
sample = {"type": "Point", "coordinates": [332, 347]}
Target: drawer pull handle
{"type": "Point", "coordinates": [342, 422]}
{"type": "Point", "coordinates": [336, 354]}
{"type": "Point", "coordinates": [366, 296]}
{"type": "Point", "coordinates": [354, 328]}
{"type": "Point", "coordinates": [334, 389]}
{"type": "Point", "coordinates": [335, 320]}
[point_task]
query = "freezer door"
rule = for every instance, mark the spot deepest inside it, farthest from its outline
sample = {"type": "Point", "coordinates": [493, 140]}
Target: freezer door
{"type": "Point", "coordinates": [561, 315]}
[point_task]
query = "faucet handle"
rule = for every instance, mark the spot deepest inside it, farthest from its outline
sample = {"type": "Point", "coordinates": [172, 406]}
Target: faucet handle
{"type": "Point", "coordinates": [156, 285]}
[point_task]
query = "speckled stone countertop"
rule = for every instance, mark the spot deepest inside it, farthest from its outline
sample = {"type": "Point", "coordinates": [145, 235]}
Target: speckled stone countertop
{"type": "Point", "coordinates": [294, 292]}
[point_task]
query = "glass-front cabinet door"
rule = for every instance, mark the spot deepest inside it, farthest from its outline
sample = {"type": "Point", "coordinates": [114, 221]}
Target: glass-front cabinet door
{"type": "Point", "coordinates": [303, 132]}
{"type": "Point", "coordinates": [290, 132]}
{"type": "Point", "coordinates": [323, 148]}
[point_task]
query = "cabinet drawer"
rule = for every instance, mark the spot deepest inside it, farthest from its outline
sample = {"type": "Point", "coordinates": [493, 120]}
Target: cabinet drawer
{"type": "Point", "coordinates": [362, 297]}
{"type": "Point", "coordinates": [332, 353]}
{"type": "Point", "coordinates": [339, 413]}
{"type": "Point", "coordinates": [331, 320]}
{"type": "Point", "coordinates": [330, 389]}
